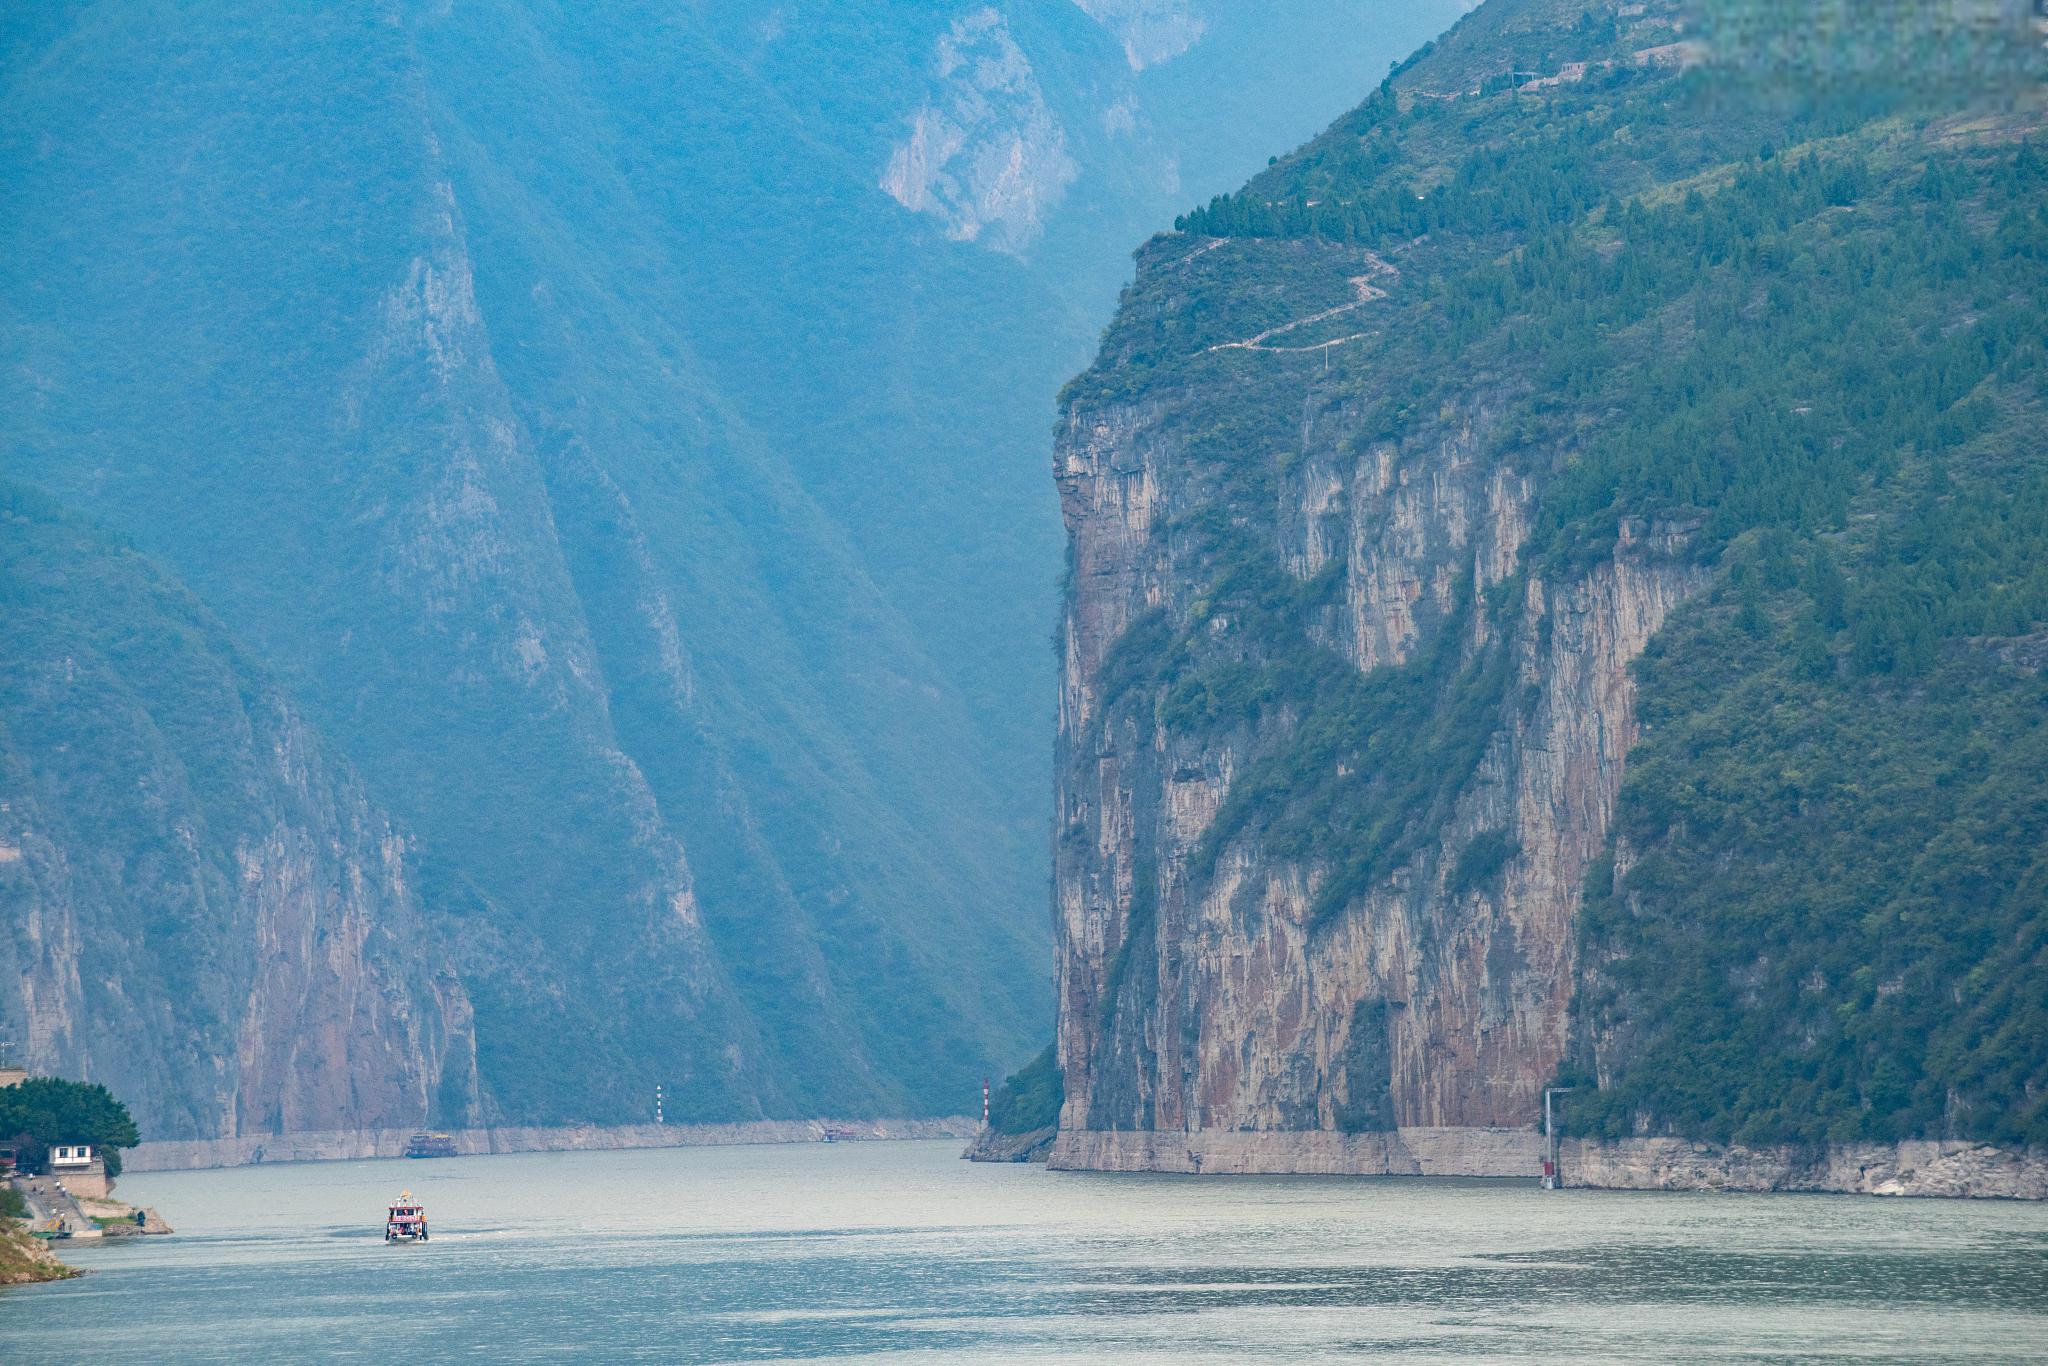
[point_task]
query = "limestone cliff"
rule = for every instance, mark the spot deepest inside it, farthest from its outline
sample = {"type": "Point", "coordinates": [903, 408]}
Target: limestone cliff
{"type": "Point", "coordinates": [1194, 1001]}
{"type": "Point", "coordinates": [984, 153]}
{"type": "Point", "coordinates": [1391, 469]}
{"type": "Point", "coordinates": [205, 911]}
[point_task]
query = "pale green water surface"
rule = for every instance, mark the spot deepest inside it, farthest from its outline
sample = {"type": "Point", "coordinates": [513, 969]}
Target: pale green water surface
{"type": "Point", "coordinates": [898, 1251]}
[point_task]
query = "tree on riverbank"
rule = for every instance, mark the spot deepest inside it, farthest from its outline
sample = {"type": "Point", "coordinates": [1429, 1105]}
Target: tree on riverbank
{"type": "Point", "coordinates": [45, 1110]}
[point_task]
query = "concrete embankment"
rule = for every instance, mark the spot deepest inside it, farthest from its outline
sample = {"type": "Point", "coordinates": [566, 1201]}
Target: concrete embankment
{"type": "Point", "coordinates": [335, 1145]}
{"type": "Point", "coordinates": [49, 1209]}
{"type": "Point", "coordinates": [1949, 1169]}
{"type": "Point", "coordinates": [52, 1208]}
{"type": "Point", "coordinates": [119, 1220]}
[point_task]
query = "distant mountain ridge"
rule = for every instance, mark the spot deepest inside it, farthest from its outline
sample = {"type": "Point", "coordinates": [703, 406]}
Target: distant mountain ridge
{"type": "Point", "coordinates": [207, 912]}
{"type": "Point", "coordinates": [631, 502]}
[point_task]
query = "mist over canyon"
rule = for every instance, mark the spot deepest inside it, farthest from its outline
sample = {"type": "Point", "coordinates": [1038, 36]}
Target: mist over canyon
{"type": "Point", "coordinates": [552, 553]}
{"type": "Point", "coordinates": [528, 556]}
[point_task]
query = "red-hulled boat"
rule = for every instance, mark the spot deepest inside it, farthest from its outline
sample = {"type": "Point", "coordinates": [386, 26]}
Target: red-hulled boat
{"type": "Point", "coordinates": [407, 1221]}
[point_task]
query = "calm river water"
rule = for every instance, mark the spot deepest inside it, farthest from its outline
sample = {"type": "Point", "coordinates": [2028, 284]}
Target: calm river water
{"type": "Point", "coordinates": [900, 1252]}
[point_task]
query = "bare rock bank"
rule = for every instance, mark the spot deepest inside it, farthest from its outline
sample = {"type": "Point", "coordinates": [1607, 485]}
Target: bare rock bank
{"type": "Point", "coordinates": [1034, 1145]}
{"type": "Point", "coordinates": [339, 1145]}
{"type": "Point", "coordinates": [26, 1259]}
{"type": "Point", "coordinates": [1933, 1168]}
{"type": "Point", "coordinates": [1956, 1170]}
{"type": "Point", "coordinates": [1413, 1151]}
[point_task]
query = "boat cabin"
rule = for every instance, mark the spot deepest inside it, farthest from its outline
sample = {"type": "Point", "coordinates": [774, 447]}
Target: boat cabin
{"type": "Point", "coordinates": [406, 1221]}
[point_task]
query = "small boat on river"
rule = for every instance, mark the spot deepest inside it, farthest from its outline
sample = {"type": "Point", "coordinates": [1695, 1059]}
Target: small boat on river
{"type": "Point", "coordinates": [424, 1144]}
{"type": "Point", "coordinates": [407, 1221]}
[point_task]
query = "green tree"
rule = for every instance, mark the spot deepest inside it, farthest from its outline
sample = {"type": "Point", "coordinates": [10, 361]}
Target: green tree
{"type": "Point", "coordinates": [1029, 1098]}
{"type": "Point", "coordinates": [50, 1110]}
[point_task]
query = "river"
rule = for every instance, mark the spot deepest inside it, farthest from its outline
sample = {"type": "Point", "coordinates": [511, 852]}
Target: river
{"type": "Point", "coordinates": [901, 1252]}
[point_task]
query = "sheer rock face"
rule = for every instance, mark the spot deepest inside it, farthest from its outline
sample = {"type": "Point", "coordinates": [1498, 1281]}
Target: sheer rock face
{"type": "Point", "coordinates": [1151, 31]}
{"type": "Point", "coordinates": [346, 1017]}
{"type": "Point", "coordinates": [985, 153]}
{"type": "Point", "coordinates": [265, 967]}
{"type": "Point", "coordinates": [1420, 1006]}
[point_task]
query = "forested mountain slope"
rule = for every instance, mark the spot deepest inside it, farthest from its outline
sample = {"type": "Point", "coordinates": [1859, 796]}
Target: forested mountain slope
{"type": "Point", "coordinates": [614, 436]}
{"type": "Point", "coordinates": [205, 911]}
{"type": "Point", "coordinates": [1556, 594]}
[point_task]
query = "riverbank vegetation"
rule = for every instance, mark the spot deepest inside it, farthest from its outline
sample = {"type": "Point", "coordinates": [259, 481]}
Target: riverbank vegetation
{"type": "Point", "coordinates": [26, 1260]}
{"type": "Point", "coordinates": [46, 1111]}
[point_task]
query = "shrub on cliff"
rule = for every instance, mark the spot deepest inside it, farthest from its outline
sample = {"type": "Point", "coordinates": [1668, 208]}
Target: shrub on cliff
{"type": "Point", "coordinates": [1029, 1098]}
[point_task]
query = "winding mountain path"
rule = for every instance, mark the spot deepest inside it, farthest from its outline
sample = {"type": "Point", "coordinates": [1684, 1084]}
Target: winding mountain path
{"type": "Point", "coordinates": [1366, 289]}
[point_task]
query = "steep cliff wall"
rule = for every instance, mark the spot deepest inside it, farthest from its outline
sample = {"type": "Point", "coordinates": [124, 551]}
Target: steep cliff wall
{"type": "Point", "coordinates": [1197, 999]}
{"type": "Point", "coordinates": [1391, 469]}
{"type": "Point", "coordinates": [641, 499]}
{"type": "Point", "coordinates": [204, 911]}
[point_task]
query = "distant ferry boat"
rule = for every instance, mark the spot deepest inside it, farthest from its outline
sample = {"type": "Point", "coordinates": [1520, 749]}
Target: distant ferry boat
{"type": "Point", "coordinates": [424, 1144]}
{"type": "Point", "coordinates": [407, 1221]}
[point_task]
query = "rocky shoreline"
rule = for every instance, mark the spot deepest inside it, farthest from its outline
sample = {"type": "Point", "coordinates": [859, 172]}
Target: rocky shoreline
{"type": "Point", "coordinates": [1923, 1168]}
{"type": "Point", "coordinates": [340, 1145]}
{"type": "Point", "coordinates": [1928, 1168]}
{"type": "Point", "coordinates": [1402, 1152]}
{"type": "Point", "coordinates": [1034, 1145]}
{"type": "Point", "coordinates": [27, 1260]}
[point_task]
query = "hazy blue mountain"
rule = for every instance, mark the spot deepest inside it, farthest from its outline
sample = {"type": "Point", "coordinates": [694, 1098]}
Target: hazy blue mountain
{"type": "Point", "coordinates": [619, 438]}
{"type": "Point", "coordinates": [204, 910]}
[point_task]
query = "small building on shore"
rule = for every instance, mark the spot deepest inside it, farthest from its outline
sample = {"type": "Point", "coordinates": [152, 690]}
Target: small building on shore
{"type": "Point", "coordinates": [80, 1170]}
